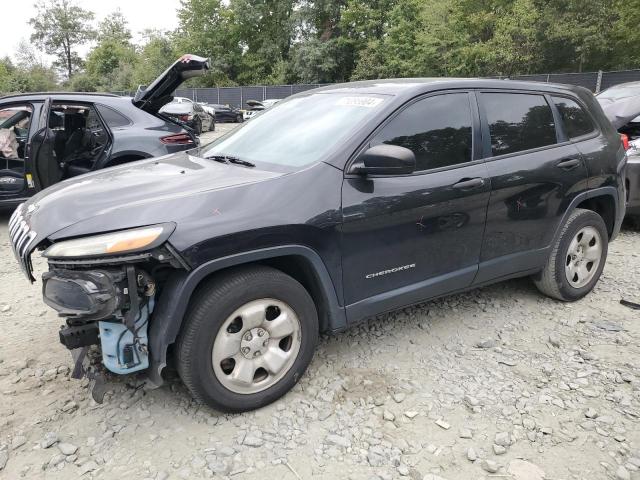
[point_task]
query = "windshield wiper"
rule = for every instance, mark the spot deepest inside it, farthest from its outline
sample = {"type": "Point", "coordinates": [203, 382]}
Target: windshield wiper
{"type": "Point", "coordinates": [230, 159]}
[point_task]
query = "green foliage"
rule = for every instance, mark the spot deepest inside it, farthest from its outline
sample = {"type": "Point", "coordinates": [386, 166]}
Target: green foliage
{"type": "Point", "coordinates": [26, 76]}
{"type": "Point", "coordinates": [323, 41]}
{"type": "Point", "coordinates": [59, 27]}
{"type": "Point", "coordinates": [83, 82]}
{"type": "Point", "coordinates": [114, 28]}
{"type": "Point", "coordinates": [154, 57]}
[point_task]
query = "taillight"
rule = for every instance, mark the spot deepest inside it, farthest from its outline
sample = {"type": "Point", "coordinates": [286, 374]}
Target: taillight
{"type": "Point", "coordinates": [177, 139]}
{"type": "Point", "coordinates": [625, 140]}
{"type": "Point", "coordinates": [184, 118]}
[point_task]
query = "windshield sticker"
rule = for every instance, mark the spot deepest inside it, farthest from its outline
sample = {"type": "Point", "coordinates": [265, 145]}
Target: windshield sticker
{"type": "Point", "coordinates": [368, 102]}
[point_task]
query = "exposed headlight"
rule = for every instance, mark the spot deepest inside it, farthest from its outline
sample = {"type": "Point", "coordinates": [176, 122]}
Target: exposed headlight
{"type": "Point", "coordinates": [125, 241]}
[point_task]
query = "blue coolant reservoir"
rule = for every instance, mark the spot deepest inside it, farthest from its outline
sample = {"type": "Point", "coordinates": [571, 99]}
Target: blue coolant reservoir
{"type": "Point", "coordinates": [120, 354]}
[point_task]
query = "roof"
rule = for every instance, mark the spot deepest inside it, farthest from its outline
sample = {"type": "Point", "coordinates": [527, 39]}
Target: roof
{"type": "Point", "coordinates": [398, 86]}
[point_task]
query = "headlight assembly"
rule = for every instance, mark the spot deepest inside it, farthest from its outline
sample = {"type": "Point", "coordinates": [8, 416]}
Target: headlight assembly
{"type": "Point", "coordinates": [125, 241]}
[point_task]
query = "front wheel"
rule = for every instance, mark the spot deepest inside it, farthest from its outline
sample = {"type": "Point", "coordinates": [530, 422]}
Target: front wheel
{"type": "Point", "coordinates": [239, 119]}
{"type": "Point", "coordinates": [577, 258]}
{"type": "Point", "coordinates": [248, 337]}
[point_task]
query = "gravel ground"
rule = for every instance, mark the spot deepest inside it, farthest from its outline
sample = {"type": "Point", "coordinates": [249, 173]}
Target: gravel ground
{"type": "Point", "coordinates": [499, 382]}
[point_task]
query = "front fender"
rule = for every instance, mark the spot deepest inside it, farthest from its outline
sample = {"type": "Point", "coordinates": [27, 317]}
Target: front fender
{"type": "Point", "coordinates": [176, 294]}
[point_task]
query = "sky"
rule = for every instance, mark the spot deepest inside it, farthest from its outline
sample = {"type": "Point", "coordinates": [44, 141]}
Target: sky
{"type": "Point", "coordinates": [141, 14]}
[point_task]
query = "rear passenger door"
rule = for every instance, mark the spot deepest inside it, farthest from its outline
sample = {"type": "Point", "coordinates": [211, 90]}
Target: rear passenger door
{"type": "Point", "coordinates": [535, 172]}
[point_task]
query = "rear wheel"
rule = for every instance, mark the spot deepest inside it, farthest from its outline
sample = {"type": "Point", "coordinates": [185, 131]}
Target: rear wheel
{"type": "Point", "coordinates": [577, 259]}
{"type": "Point", "coordinates": [248, 337]}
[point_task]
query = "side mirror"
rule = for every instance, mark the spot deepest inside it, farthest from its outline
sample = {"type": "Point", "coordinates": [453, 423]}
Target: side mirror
{"type": "Point", "coordinates": [385, 159]}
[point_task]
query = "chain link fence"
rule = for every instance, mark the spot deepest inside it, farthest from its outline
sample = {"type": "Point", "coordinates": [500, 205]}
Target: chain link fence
{"type": "Point", "coordinates": [238, 96]}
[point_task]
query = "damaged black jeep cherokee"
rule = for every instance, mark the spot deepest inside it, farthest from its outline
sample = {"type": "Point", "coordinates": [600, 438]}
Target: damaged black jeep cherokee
{"type": "Point", "coordinates": [335, 205]}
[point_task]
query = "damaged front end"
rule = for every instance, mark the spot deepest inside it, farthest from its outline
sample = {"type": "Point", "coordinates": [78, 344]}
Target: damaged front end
{"type": "Point", "coordinates": [105, 287]}
{"type": "Point", "coordinates": [109, 307]}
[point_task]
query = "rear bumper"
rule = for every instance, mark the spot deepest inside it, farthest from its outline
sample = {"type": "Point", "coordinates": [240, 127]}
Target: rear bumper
{"type": "Point", "coordinates": [632, 184]}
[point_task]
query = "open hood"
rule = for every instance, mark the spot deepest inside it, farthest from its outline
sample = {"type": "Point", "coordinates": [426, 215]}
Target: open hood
{"type": "Point", "coordinates": [254, 103]}
{"type": "Point", "coordinates": [622, 111]}
{"type": "Point", "coordinates": [160, 92]}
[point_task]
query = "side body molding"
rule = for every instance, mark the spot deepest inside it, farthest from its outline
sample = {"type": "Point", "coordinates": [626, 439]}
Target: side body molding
{"type": "Point", "coordinates": [172, 304]}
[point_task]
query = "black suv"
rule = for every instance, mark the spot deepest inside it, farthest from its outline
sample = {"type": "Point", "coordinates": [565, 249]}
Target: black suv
{"type": "Point", "coordinates": [59, 135]}
{"type": "Point", "coordinates": [335, 205]}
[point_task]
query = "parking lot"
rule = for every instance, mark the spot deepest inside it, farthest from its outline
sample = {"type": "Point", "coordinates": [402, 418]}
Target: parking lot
{"type": "Point", "coordinates": [499, 382]}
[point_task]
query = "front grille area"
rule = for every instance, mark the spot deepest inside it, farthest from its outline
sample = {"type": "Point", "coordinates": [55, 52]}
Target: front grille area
{"type": "Point", "coordinates": [21, 237]}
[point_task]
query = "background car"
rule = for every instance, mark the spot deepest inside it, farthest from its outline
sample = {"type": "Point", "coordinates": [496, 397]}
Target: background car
{"type": "Point", "coordinates": [621, 102]}
{"type": "Point", "coordinates": [225, 113]}
{"type": "Point", "coordinates": [256, 106]}
{"type": "Point", "coordinates": [49, 137]}
{"type": "Point", "coordinates": [189, 113]}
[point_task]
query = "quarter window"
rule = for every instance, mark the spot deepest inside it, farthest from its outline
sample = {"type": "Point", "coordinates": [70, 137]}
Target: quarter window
{"type": "Point", "coordinates": [437, 130]}
{"type": "Point", "coordinates": [575, 120]}
{"type": "Point", "coordinates": [518, 122]}
{"type": "Point", "coordinates": [112, 118]}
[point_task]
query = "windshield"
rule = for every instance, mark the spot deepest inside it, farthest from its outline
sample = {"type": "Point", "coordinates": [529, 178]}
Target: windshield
{"type": "Point", "coordinates": [298, 131]}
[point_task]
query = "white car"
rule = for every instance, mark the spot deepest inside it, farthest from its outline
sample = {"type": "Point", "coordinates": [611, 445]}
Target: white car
{"type": "Point", "coordinates": [256, 106]}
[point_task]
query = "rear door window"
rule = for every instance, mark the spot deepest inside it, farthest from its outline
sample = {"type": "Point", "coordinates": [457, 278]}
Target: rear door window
{"type": "Point", "coordinates": [437, 129]}
{"type": "Point", "coordinates": [518, 122]}
{"type": "Point", "coordinates": [574, 118]}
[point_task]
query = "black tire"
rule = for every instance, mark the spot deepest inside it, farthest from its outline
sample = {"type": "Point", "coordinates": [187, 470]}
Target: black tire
{"type": "Point", "coordinates": [211, 305]}
{"type": "Point", "coordinates": [239, 119]}
{"type": "Point", "coordinates": [198, 127]}
{"type": "Point", "coordinates": [552, 280]}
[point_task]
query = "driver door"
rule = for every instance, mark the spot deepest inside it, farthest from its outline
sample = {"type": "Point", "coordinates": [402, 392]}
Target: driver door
{"type": "Point", "coordinates": [407, 238]}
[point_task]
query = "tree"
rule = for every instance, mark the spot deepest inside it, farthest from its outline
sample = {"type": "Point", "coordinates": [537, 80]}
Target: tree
{"type": "Point", "coordinates": [155, 56]}
{"type": "Point", "coordinates": [60, 26]}
{"type": "Point", "coordinates": [6, 73]}
{"type": "Point", "coordinates": [207, 28]}
{"type": "Point", "coordinates": [105, 62]}
{"type": "Point", "coordinates": [626, 35]}
{"type": "Point", "coordinates": [265, 29]}
{"type": "Point", "coordinates": [515, 46]}
{"type": "Point", "coordinates": [315, 61]}
{"type": "Point", "coordinates": [114, 27]}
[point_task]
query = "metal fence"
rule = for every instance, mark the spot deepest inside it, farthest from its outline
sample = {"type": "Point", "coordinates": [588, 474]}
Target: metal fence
{"type": "Point", "coordinates": [238, 96]}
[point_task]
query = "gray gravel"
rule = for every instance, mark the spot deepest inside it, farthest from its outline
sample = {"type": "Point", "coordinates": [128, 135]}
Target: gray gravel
{"type": "Point", "coordinates": [497, 381]}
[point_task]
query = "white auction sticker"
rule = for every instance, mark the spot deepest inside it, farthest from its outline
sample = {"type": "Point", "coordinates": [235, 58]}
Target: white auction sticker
{"type": "Point", "coordinates": [368, 102]}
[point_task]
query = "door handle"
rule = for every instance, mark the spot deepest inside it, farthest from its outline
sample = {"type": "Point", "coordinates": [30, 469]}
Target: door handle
{"type": "Point", "coordinates": [569, 164]}
{"type": "Point", "coordinates": [469, 184]}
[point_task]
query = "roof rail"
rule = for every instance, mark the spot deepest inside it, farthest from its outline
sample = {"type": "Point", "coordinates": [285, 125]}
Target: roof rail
{"type": "Point", "coordinates": [35, 94]}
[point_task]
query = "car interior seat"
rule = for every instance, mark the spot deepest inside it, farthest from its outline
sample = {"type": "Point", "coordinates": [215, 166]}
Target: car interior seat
{"type": "Point", "coordinates": [56, 124]}
{"type": "Point", "coordinates": [77, 136]}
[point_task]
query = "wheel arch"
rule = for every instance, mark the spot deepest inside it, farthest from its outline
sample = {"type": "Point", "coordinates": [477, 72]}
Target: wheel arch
{"type": "Point", "coordinates": [300, 262]}
{"type": "Point", "coordinates": [603, 201]}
